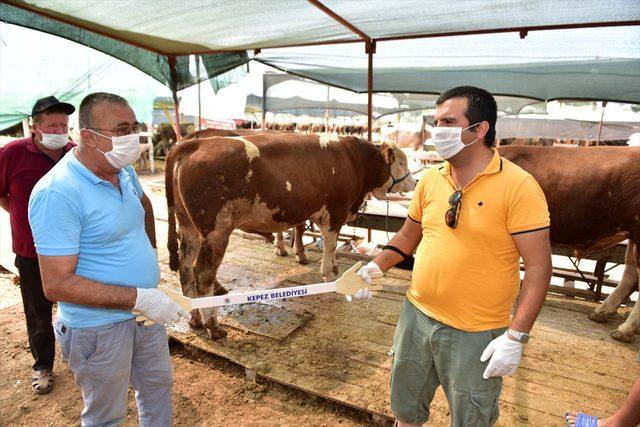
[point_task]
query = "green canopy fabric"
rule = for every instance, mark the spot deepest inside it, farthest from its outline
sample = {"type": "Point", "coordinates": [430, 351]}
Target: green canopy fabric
{"type": "Point", "coordinates": [35, 65]}
{"type": "Point", "coordinates": [157, 37]}
{"type": "Point", "coordinates": [314, 99]}
{"type": "Point", "coordinates": [154, 63]}
{"type": "Point", "coordinates": [177, 28]}
{"type": "Point", "coordinates": [591, 63]}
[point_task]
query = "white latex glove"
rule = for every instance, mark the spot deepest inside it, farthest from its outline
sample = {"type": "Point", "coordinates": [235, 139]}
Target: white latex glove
{"type": "Point", "coordinates": [362, 293]}
{"type": "Point", "coordinates": [366, 273]}
{"type": "Point", "coordinates": [370, 271]}
{"type": "Point", "coordinates": [159, 307]}
{"type": "Point", "coordinates": [505, 355]}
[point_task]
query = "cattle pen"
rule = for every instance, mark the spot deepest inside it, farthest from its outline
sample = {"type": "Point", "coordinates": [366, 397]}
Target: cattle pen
{"type": "Point", "coordinates": [339, 351]}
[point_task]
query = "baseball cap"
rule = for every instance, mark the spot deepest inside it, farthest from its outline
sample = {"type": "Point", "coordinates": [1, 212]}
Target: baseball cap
{"type": "Point", "coordinates": [43, 104]}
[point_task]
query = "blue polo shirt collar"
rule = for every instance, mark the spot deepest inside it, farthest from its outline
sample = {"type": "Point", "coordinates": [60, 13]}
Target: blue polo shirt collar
{"type": "Point", "coordinates": [90, 176]}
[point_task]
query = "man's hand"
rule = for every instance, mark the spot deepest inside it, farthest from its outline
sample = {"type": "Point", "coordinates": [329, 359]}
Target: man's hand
{"type": "Point", "coordinates": [505, 355]}
{"type": "Point", "coordinates": [370, 271]}
{"type": "Point", "coordinates": [158, 306]}
{"type": "Point", "coordinates": [366, 273]}
{"type": "Point", "coordinates": [362, 293]}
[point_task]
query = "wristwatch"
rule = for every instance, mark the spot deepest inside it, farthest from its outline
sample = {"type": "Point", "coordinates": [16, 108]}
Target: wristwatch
{"type": "Point", "coordinates": [521, 337]}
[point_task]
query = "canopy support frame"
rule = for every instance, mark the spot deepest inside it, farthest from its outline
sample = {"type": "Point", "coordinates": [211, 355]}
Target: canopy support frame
{"type": "Point", "coordinates": [370, 49]}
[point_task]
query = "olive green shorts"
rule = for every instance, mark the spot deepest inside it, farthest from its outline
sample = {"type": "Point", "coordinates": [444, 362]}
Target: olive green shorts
{"type": "Point", "coordinates": [428, 353]}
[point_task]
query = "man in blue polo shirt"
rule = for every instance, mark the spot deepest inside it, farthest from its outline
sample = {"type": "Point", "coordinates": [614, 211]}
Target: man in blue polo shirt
{"type": "Point", "coordinates": [93, 232]}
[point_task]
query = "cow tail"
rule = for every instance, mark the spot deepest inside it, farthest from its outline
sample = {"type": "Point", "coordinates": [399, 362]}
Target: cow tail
{"type": "Point", "coordinates": [172, 240]}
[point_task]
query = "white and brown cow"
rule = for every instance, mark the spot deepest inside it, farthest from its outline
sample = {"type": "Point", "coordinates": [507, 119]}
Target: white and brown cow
{"type": "Point", "coordinates": [266, 183]}
{"type": "Point", "coordinates": [594, 201]}
{"type": "Point", "coordinates": [278, 241]}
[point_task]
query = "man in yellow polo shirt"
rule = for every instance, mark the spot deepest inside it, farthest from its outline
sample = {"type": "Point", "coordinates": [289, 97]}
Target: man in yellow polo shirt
{"type": "Point", "coordinates": [471, 220]}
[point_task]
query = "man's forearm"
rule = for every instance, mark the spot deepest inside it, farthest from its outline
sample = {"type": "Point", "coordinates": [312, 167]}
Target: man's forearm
{"type": "Point", "coordinates": [388, 258]}
{"type": "Point", "coordinates": [4, 203]}
{"type": "Point", "coordinates": [532, 295]}
{"type": "Point", "coordinates": [83, 291]}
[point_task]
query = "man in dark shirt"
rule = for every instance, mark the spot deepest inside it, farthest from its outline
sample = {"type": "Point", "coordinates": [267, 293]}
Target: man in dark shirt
{"type": "Point", "coordinates": [22, 163]}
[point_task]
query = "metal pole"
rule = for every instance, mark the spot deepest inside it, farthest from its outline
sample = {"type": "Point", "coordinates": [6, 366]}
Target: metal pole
{"type": "Point", "coordinates": [264, 101]}
{"type": "Point", "coordinates": [199, 100]}
{"type": "Point", "coordinates": [604, 105]}
{"type": "Point", "coordinates": [326, 110]}
{"type": "Point", "coordinates": [26, 130]}
{"type": "Point", "coordinates": [370, 49]}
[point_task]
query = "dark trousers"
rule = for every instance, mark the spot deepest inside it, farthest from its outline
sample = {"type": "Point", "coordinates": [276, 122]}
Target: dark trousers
{"type": "Point", "coordinates": [37, 310]}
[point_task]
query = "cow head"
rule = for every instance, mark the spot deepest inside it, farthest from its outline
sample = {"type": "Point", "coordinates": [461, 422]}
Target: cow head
{"type": "Point", "coordinates": [400, 179]}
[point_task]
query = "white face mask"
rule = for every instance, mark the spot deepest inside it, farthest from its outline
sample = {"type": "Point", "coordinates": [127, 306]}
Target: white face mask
{"type": "Point", "coordinates": [53, 141]}
{"type": "Point", "coordinates": [125, 151]}
{"type": "Point", "coordinates": [448, 140]}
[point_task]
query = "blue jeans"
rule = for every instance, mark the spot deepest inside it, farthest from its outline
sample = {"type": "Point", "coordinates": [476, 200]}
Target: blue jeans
{"type": "Point", "coordinates": [106, 359]}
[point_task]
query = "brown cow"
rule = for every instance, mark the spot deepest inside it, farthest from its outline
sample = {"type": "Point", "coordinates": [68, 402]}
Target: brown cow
{"type": "Point", "coordinates": [546, 142]}
{"type": "Point", "coordinates": [594, 201]}
{"type": "Point", "coordinates": [208, 133]}
{"type": "Point", "coordinates": [406, 139]}
{"type": "Point", "coordinates": [278, 242]}
{"type": "Point", "coordinates": [266, 183]}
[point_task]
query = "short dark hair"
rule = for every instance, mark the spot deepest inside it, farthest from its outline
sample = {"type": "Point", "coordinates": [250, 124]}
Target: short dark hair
{"type": "Point", "coordinates": [481, 107]}
{"type": "Point", "coordinates": [86, 106]}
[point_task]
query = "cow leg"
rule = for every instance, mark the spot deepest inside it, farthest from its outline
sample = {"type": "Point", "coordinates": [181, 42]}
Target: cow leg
{"type": "Point", "coordinates": [631, 326]}
{"type": "Point", "coordinates": [330, 240]}
{"type": "Point", "coordinates": [625, 288]}
{"type": "Point", "coordinates": [208, 261]}
{"type": "Point", "coordinates": [278, 245]}
{"type": "Point", "coordinates": [298, 246]}
{"type": "Point", "coordinates": [189, 247]}
{"type": "Point", "coordinates": [334, 258]}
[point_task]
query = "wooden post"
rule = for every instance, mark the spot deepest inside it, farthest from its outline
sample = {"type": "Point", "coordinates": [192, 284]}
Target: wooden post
{"type": "Point", "coordinates": [326, 109]}
{"type": "Point", "coordinates": [152, 164]}
{"type": "Point", "coordinates": [604, 105]}
{"type": "Point", "coordinates": [264, 101]}
{"type": "Point", "coordinates": [174, 93]}
{"type": "Point", "coordinates": [599, 273]}
{"type": "Point", "coordinates": [199, 100]}
{"type": "Point", "coordinates": [25, 128]}
{"type": "Point", "coordinates": [370, 48]}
